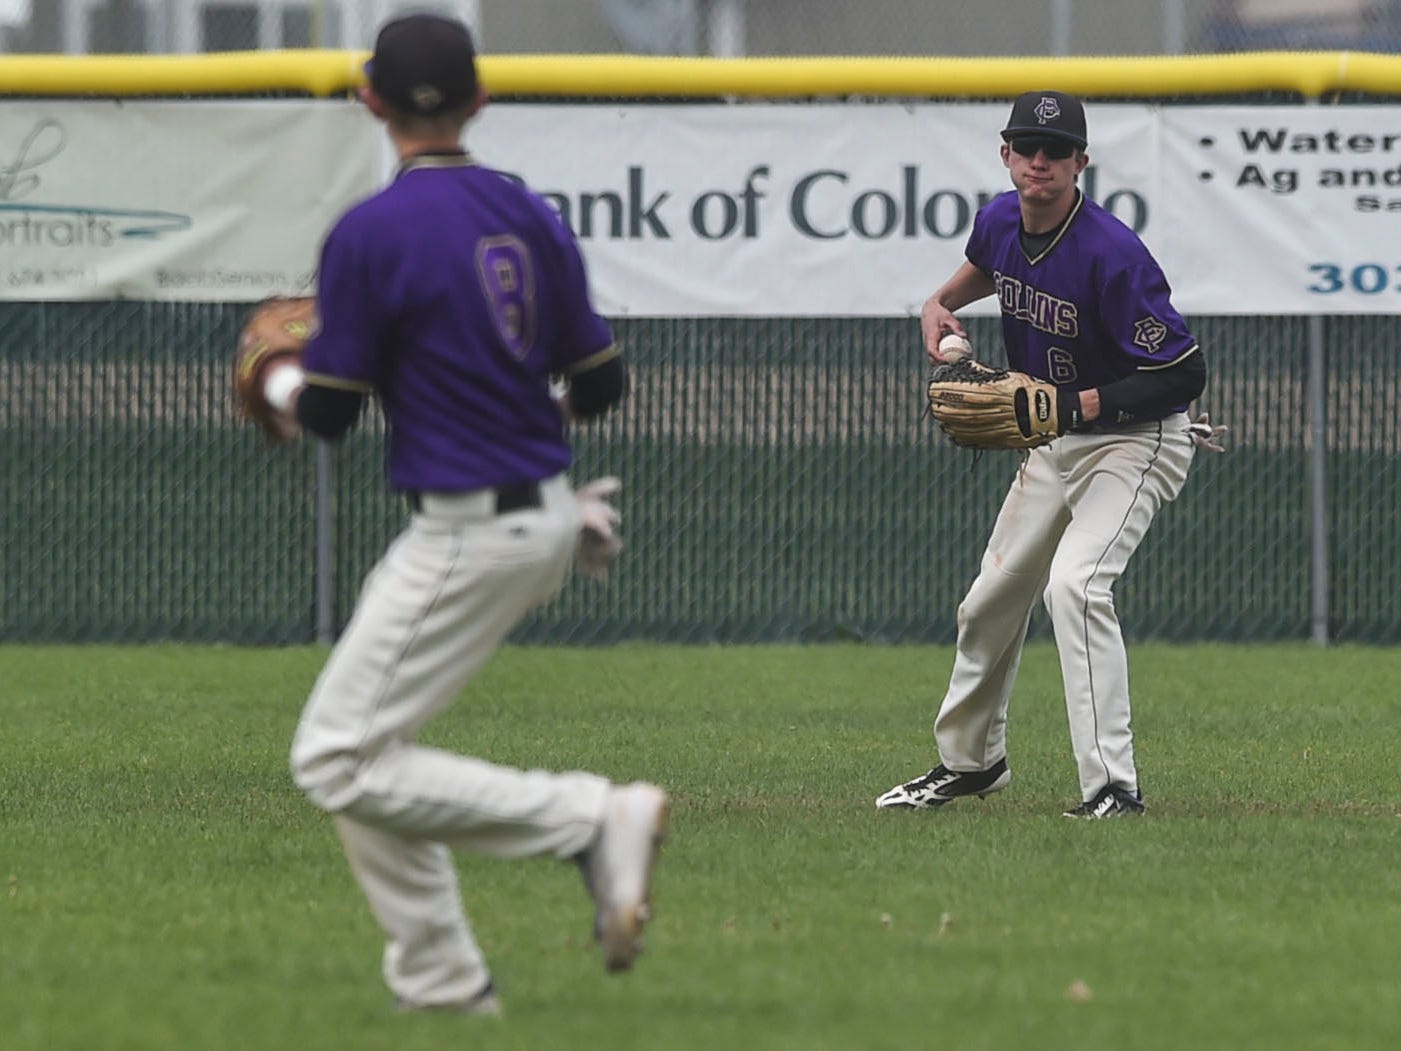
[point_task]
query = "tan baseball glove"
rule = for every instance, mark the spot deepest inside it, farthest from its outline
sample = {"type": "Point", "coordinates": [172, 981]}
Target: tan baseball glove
{"type": "Point", "coordinates": [981, 407]}
{"type": "Point", "coordinates": [274, 336]}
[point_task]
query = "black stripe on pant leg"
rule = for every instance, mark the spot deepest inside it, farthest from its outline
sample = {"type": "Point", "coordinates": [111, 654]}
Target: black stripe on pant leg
{"type": "Point", "coordinates": [1089, 664]}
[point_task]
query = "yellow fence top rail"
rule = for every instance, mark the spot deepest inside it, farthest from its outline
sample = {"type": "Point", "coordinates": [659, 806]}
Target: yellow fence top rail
{"type": "Point", "coordinates": [330, 72]}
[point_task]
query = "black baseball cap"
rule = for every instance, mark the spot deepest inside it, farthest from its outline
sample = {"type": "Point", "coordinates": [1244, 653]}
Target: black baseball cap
{"type": "Point", "coordinates": [424, 65]}
{"type": "Point", "coordinates": [1047, 114]}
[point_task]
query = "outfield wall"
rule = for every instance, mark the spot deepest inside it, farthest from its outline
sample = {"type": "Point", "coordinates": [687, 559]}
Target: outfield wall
{"type": "Point", "coordinates": [780, 482]}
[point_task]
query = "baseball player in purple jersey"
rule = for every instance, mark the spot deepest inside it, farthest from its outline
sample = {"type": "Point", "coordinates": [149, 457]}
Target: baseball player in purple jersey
{"type": "Point", "coordinates": [454, 295]}
{"type": "Point", "coordinates": [1086, 307]}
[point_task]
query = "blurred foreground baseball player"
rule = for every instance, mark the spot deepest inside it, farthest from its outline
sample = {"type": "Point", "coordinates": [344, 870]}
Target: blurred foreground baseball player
{"type": "Point", "coordinates": [1089, 328]}
{"type": "Point", "coordinates": [454, 295]}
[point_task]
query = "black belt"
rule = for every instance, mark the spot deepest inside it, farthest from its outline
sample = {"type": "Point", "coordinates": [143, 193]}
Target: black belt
{"type": "Point", "coordinates": [1099, 427]}
{"type": "Point", "coordinates": [518, 497]}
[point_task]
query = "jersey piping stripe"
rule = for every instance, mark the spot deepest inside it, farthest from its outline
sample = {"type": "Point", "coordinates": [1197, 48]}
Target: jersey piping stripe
{"type": "Point", "coordinates": [1175, 361]}
{"type": "Point", "coordinates": [1064, 226]}
{"type": "Point", "coordinates": [1085, 595]}
{"type": "Point", "coordinates": [594, 360]}
{"type": "Point", "coordinates": [320, 379]}
{"type": "Point", "coordinates": [437, 160]}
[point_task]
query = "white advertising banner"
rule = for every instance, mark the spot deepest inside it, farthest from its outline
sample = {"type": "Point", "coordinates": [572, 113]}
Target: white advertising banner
{"type": "Point", "coordinates": [773, 210]}
{"type": "Point", "coordinates": [707, 210]}
{"type": "Point", "coordinates": [1280, 210]}
{"type": "Point", "coordinates": [864, 210]}
{"type": "Point", "coordinates": [174, 200]}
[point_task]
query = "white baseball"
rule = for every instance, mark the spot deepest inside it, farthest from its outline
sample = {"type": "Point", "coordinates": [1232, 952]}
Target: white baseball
{"type": "Point", "coordinates": [954, 347]}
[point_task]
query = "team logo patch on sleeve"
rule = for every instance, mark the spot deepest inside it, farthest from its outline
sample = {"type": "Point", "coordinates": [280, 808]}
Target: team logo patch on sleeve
{"type": "Point", "coordinates": [1149, 334]}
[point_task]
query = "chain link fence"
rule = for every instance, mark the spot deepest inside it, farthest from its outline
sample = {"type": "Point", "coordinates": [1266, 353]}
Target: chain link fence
{"type": "Point", "coordinates": [720, 27]}
{"type": "Point", "coordinates": [781, 485]}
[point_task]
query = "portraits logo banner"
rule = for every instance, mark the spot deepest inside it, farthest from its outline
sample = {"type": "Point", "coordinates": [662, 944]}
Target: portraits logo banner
{"type": "Point", "coordinates": [173, 201]}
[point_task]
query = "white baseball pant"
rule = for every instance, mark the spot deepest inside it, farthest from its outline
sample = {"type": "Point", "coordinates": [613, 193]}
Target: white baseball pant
{"type": "Point", "coordinates": [447, 592]}
{"type": "Point", "coordinates": [1071, 520]}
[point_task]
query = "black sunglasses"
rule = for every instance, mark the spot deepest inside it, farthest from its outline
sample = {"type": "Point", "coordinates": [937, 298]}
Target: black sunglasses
{"type": "Point", "coordinates": [1054, 149]}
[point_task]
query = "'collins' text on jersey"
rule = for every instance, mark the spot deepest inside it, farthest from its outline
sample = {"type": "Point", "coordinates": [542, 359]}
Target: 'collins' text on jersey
{"type": "Point", "coordinates": [1091, 308]}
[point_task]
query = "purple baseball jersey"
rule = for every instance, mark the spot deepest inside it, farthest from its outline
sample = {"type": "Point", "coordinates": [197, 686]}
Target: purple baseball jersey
{"type": "Point", "coordinates": [454, 294]}
{"type": "Point", "coordinates": [1092, 308]}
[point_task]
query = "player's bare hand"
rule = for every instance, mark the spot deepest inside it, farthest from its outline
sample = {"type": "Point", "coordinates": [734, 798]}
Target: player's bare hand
{"type": "Point", "coordinates": [283, 427]}
{"type": "Point", "coordinates": [1205, 437]}
{"type": "Point", "coordinates": [935, 322]}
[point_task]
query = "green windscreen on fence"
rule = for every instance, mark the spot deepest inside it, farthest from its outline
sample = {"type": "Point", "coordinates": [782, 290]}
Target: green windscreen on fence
{"type": "Point", "coordinates": [781, 484]}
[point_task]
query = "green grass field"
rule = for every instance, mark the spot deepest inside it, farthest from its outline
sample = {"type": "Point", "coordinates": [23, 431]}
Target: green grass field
{"type": "Point", "coordinates": [166, 887]}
